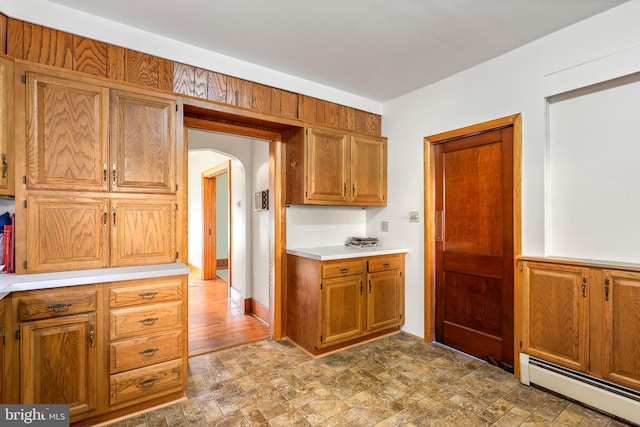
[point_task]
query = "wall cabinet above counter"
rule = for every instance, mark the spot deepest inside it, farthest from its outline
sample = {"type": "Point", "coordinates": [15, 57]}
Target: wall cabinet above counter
{"type": "Point", "coordinates": [332, 167]}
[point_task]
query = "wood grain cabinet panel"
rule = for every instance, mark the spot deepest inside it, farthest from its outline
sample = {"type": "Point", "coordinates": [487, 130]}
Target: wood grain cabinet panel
{"type": "Point", "coordinates": [144, 292]}
{"type": "Point", "coordinates": [37, 305]}
{"type": "Point", "coordinates": [145, 383]}
{"type": "Point", "coordinates": [58, 363]}
{"type": "Point", "coordinates": [385, 299]}
{"type": "Point", "coordinates": [7, 160]}
{"type": "Point", "coordinates": [331, 167]}
{"type": "Point", "coordinates": [146, 320]}
{"type": "Point", "coordinates": [144, 351]}
{"type": "Point", "coordinates": [622, 328]}
{"type": "Point", "coordinates": [66, 131]}
{"type": "Point", "coordinates": [342, 309]}
{"type": "Point", "coordinates": [556, 311]}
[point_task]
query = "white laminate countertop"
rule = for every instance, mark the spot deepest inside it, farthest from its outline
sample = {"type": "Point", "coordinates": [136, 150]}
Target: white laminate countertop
{"type": "Point", "coordinates": [25, 282]}
{"type": "Point", "coordinates": [328, 253]}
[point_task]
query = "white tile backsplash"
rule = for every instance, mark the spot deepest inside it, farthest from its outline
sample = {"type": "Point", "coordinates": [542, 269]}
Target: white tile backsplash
{"type": "Point", "coordinates": [312, 226]}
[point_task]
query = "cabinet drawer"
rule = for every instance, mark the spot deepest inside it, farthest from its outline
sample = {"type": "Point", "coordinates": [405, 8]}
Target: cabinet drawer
{"type": "Point", "coordinates": [392, 262]}
{"type": "Point", "coordinates": [145, 320]}
{"type": "Point", "coordinates": [145, 383]}
{"type": "Point", "coordinates": [342, 268]}
{"type": "Point", "coordinates": [159, 291]}
{"type": "Point", "coordinates": [46, 305]}
{"type": "Point", "coordinates": [144, 351]}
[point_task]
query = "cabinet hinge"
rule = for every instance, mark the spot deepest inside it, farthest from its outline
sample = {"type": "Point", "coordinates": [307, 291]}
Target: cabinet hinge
{"type": "Point", "coordinates": [176, 107]}
{"type": "Point", "coordinates": [176, 206]}
{"type": "Point", "coordinates": [320, 338]}
{"type": "Point", "coordinates": [177, 254]}
{"type": "Point", "coordinates": [520, 266]}
{"type": "Point", "coordinates": [24, 78]}
{"type": "Point", "coordinates": [520, 344]}
{"type": "Point", "coordinates": [176, 187]}
{"type": "Point", "coordinates": [24, 264]}
{"type": "Point", "coordinates": [320, 286]}
{"type": "Point", "coordinates": [24, 179]}
{"type": "Point", "coordinates": [18, 334]}
{"type": "Point", "coordinates": [4, 342]}
{"type": "Point", "coordinates": [24, 204]}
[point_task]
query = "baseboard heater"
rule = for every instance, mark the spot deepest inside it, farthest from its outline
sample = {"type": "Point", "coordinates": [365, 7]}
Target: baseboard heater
{"type": "Point", "coordinates": [611, 398]}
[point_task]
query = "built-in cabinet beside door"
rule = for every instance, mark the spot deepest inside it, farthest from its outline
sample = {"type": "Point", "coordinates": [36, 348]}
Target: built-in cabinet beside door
{"type": "Point", "coordinates": [101, 163]}
{"type": "Point", "coordinates": [584, 316]}
{"type": "Point", "coordinates": [333, 167]}
{"type": "Point", "coordinates": [7, 171]}
{"type": "Point", "coordinates": [331, 304]}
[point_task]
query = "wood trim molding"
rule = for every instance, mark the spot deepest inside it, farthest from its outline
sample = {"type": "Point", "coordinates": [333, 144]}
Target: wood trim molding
{"type": "Point", "coordinates": [429, 209]}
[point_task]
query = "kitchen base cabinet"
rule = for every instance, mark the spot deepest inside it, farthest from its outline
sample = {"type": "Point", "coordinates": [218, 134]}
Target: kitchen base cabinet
{"type": "Point", "coordinates": [105, 349]}
{"type": "Point", "coordinates": [332, 304]}
{"type": "Point", "coordinates": [583, 315]}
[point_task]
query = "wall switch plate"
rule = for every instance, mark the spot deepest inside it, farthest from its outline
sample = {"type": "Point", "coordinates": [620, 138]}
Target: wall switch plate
{"type": "Point", "coordinates": [384, 225]}
{"type": "Point", "coordinates": [414, 216]}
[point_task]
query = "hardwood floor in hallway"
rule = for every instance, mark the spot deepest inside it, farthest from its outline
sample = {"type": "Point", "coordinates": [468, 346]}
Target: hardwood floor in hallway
{"type": "Point", "coordinates": [215, 323]}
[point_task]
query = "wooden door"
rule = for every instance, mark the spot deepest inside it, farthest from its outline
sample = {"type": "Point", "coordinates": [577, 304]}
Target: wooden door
{"type": "Point", "coordinates": [368, 171]}
{"type": "Point", "coordinates": [342, 309]}
{"type": "Point", "coordinates": [385, 300]}
{"type": "Point", "coordinates": [7, 160]}
{"type": "Point", "coordinates": [143, 139]}
{"type": "Point", "coordinates": [326, 168]}
{"type": "Point", "coordinates": [66, 233]}
{"type": "Point", "coordinates": [555, 313]}
{"type": "Point", "coordinates": [58, 362]}
{"type": "Point", "coordinates": [621, 351]}
{"type": "Point", "coordinates": [474, 244]}
{"type": "Point", "coordinates": [66, 132]}
{"type": "Point", "coordinates": [143, 231]}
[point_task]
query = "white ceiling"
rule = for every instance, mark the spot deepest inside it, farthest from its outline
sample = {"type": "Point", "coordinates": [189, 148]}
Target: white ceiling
{"type": "Point", "coordinates": [377, 49]}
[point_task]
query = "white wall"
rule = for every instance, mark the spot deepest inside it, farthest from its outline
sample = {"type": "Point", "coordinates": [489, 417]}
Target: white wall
{"type": "Point", "coordinates": [313, 226]}
{"type": "Point", "coordinates": [512, 83]}
{"type": "Point", "coordinates": [222, 217]}
{"type": "Point", "coordinates": [262, 230]}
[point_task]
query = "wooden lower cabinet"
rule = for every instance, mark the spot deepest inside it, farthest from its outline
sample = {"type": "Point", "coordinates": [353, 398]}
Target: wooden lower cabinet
{"type": "Point", "coordinates": [583, 316]}
{"type": "Point", "coordinates": [100, 348]}
{"type": "Point", "coordinates": [331, 304]}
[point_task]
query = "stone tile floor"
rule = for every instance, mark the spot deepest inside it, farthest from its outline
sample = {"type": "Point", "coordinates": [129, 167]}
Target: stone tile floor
{"type": "Point", "coordinates": [394, 381]}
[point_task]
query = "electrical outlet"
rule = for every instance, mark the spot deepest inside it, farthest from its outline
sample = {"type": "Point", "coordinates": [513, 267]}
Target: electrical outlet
{"type": "Point", "coordinates": [414, 216]}
{"type": "Point", "coordinates": [384, 225]}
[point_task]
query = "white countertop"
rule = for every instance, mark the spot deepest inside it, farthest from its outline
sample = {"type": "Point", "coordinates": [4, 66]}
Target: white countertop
{"type": "Point", "coordinates": [25, 282]}
{"type": "Point", "coordinates": [328, 253]}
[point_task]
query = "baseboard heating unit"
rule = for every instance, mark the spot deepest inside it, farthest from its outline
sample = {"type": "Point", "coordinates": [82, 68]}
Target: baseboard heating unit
{"type": "Point", "coordinates": [616, 400]}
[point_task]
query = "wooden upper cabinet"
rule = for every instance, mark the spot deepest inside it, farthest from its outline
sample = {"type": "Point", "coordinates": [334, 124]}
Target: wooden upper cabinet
{"type": "Point", "coordinates": [84, 135]}
{"type": "Point", "coordinates": [142, 133]}
{"type": "Point", "coordinates": [555, 303]}
{"type": "Point", "coordinates": [621, 349]}
{"type": "Point", "coordinates": [66, 233]}
{"type": "Point", "coordinates": [66, 133]}
{"type": "Point", "coordinates": [332, 167]}
{"type": "Point", "coordinates": [327, 165]}
{"type": "Point", "coordinates": [144, 231]}
{"type": "Point", "coordinates": [7, 161]}
{"type": "Point", "coordinates": [368, 171]}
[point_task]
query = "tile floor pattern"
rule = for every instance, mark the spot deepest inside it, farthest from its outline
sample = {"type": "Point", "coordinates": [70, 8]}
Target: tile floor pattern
{"type": "Point", "coordinates": [394, 381]}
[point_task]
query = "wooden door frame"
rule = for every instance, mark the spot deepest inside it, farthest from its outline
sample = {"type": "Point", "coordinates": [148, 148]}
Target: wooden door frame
{"type": "Point", "coordinates": [209, 216]}
{"type": "Point", "coordinates": [277, 212]}
{"type": "Point", "coordinates": [430, 231]}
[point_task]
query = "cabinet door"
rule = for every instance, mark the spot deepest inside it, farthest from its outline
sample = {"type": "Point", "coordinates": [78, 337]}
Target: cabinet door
{"type": "Point", "coordinates": [368, 171]}
{"type": "Point", "coordinates": [58, 362]}
{"type": "Point", "coordinates": [342, 309]}
{"type": "Point", "coordinates": [143, 231]}
{"type": "Point", "coordinates": [7, 161]}
{"type": "Point", "coordinates": [143, 138]}
{"type": "Point", "coordinates": [326, 168]}
{"type": "Point", "coordinates": [67, 233]}
{"type": "Point", "coordinates": [66, 134]}
{"type": "Point", "coordinates": [385, 300]}
{"type": "Point", "coordinates": [555, 304]}
{"type": "Point", "coordinates": [621, 352]}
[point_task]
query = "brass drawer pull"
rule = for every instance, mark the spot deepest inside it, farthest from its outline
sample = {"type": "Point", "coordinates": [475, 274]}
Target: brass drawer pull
{"type": "Point", "coordinates": [147, 295]}
{"type": "Point", "coordinates": [344, 270]}
{"type": "Point", "coordinates": [59, 308]}
{"type": "Point", "coordinates": [148, 352]}
{"type": "Point", "coordinates": [148, 321]}
{"type": "Point", "coordinates": [386, 265]}
{"type": "Point", "coordinates": [148, 383]}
